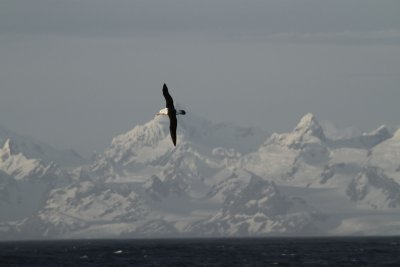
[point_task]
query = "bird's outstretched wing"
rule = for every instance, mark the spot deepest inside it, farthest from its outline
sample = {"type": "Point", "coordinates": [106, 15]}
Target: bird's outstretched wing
{"type": "Point", "coordinates": [168, 98]}
{"type": "Point", "coordinates": [172, 127]}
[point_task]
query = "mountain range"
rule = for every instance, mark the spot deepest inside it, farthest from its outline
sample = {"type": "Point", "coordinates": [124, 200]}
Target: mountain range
{"type": "Point", "coordinates": [220, 180]}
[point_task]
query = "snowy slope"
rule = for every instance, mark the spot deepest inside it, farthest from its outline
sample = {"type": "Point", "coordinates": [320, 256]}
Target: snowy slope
{"type": "Point", "coordinates": [254, 206]}
{"type": "Point", "coordinates": [386, 155]}
{"type": "Point", "coordinates": [374, 188]}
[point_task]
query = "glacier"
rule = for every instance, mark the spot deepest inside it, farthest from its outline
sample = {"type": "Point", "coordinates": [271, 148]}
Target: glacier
{"type": "Point", "coordinates": [221, 180]}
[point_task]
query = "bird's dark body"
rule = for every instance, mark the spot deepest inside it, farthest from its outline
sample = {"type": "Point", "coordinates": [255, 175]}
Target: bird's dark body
{"type": "Point", "coordinates": [172, 112]}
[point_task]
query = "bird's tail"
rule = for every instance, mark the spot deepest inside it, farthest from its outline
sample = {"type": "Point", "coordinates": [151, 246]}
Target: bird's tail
{"type": "Point", "coordinates": [180, 112]}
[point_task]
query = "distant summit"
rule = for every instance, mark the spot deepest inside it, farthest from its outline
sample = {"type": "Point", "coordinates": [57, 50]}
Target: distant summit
{"type": "Point", "coordinates": [39, 150]}
{"type": "Point", "coordinates": [309, 126]}
{"type": "Point", "coordinates": [308, 130]}
{"type": "Point", "coordinates": [7, 150]}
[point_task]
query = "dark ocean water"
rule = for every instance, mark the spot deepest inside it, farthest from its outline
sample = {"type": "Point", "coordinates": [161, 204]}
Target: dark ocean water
{"type": "Point", "coordinates": [204, 252]}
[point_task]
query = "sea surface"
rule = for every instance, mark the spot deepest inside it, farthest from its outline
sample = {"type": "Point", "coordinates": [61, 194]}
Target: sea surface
{"type": "Point", "coordinates": [204, 252]}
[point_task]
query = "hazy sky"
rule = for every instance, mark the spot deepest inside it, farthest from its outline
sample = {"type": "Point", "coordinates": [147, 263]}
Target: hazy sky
{"type": "Point", "coordinates": [75, 73]}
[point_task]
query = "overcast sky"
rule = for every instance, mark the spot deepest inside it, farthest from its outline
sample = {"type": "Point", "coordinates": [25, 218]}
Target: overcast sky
{"type": "Point", "coordinates": [76, 73]}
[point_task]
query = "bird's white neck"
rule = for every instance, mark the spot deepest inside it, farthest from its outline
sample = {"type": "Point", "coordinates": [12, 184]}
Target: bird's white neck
{"type": "Point", "coordinates": [163, 111]}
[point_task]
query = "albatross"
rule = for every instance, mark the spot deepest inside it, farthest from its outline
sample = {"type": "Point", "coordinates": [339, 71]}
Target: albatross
{"type": "Point", "coordinates": [171, 112]}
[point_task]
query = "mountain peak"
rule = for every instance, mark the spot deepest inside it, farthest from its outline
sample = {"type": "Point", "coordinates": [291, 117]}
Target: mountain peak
{"type": "Point", "coordinates": [308, 118]}
{"type": "Point", "coordinates": [150, 133]}
{"type": "Point", "coordinates": [7, 146]}
{"type": "Point", "coordinates": [7, 149]}
{"type": "Point", "coordinates": [35, 149]}
{"type": "Point", "coordinates": [309, 125]}
{"type": "Point", "coordinates": [308, 130]}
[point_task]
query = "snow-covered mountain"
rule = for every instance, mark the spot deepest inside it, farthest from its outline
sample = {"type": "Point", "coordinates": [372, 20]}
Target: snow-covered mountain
{"type": "Point", "coordinates": [220, 180]}
{"type": "Point", "coordinates": [147, 147]}
{"type": "Point", "coordinates": [25, 185]}
{"type": "Point", "coordinates": [39, 150]}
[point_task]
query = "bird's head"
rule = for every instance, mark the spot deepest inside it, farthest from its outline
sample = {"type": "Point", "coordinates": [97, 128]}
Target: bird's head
{"type": "Point", "coordinates": [163, 111]}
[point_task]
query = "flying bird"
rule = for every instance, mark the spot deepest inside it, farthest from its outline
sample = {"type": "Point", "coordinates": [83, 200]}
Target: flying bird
{"type": "Point", "coordinates": [171, 112]}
